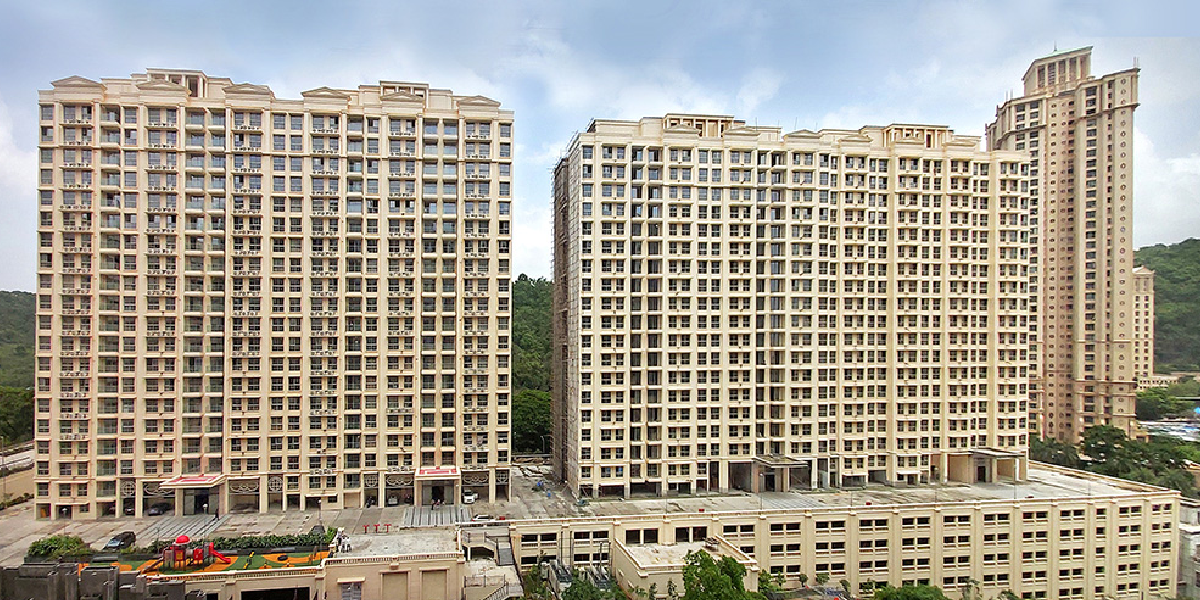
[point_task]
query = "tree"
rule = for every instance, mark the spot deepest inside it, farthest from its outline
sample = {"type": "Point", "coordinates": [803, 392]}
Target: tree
{"type": "Point", "coordinates": [582, 589]}
{"type": "Point", "coordinates": [672, 590]}
{"type": "Point", "coordinates": [1055, 452]}
{"type": "Point", "coordinates": [707, 579]}
{"type": "Point", "coordinates": [1155, 403]}
{"type": "Point", "coordinates": [803, 579]}
{"type": "Point", "coordinates": [909, 592]}
{"type": "Point", "coordinates": [530, 420]}
{"type": "Point", "coordinates": [535, 587]}
{"type": "Point", "coordinates": [822, 579]}
{"type": "Point", "coordinates": [1103, 442]}
{"type": "Point", "coordinates": [766, 583]}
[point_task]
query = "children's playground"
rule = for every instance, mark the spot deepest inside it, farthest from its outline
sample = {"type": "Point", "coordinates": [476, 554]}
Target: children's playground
{"type": "Point", "coordinates": [179, 559]}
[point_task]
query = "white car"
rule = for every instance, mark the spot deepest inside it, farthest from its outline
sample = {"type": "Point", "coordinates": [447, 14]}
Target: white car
{"type": "Point", "coordinates": [469, 497]}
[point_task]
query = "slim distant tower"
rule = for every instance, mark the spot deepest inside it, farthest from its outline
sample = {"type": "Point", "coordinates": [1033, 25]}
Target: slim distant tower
{"type": "Point", "coordinates": [1078, 130]}
{"type": "Point", "coordinates": [254, 303]}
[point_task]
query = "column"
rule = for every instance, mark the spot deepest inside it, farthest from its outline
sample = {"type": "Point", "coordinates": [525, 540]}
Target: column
{"type": "Point", "coordinates": [416, 491]}
{"type": "Point", "coordinates": [264, 497]}
{"type": "Point", "coordinates": [492, 485]}
{"type": "Point", "coordinates": [222, 503]}
{"type": "Point", "coordinates": [784, 480]}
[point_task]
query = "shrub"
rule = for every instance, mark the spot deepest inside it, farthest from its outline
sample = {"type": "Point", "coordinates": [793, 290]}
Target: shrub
{"type": "Point", "coordinates": [58, 546]}
{"type": "Point", "coordinates": [252, 542]}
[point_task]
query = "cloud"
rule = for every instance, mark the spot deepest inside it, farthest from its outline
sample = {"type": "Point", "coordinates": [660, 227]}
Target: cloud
{"type": "Point", "coordinates": [1164, 194]}
{"type": "Point", "coordinates": [18, 172]}
{"type": "Point", "coordinates": [759, 85]}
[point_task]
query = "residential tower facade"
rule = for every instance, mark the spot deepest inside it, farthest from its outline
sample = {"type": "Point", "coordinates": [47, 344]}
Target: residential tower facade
{"type": "Point", "coordinates": [739, 308]}
{"type": "Point", "coordinates": [247, 302]}
{"type": "Point", "coordinates": [1078, 131]}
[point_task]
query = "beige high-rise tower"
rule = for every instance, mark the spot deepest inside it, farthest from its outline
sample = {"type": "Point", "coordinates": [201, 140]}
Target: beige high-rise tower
{"type": "Point", "coordinates": [1078, 130]}
{"type": "Point", "coordinates": [736, 307]}
{"type": "Point", "coordinates": [252, 303]}
{"type": "Point", "coordinates": [1143, 324]}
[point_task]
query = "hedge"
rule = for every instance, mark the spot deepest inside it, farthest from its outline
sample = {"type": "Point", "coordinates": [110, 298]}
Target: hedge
{"type": "Point", "coordinates": [247, 542]}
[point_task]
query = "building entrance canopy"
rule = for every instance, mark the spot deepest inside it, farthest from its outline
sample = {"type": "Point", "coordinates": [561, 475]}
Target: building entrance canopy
{"type": "Point", "coordinates": [192, 481]}
{"type": "Point", "coordinates": [439, 473]}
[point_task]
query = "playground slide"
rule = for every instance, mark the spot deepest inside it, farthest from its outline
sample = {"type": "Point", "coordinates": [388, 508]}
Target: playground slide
{"type": "Point", "coordinates": [217, 555]}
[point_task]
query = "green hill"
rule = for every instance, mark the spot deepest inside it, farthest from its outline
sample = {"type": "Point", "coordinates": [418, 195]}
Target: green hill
{"type": "Point", "coordinates": [1176, 302]}
{"type": "Point", "coordinates": [17, 321]}
{"type": "Point", "coordinates": [531, 300]}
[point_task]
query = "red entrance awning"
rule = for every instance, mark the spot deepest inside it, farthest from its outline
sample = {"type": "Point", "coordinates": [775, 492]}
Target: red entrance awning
{"type": "Point", "coordinates": [439, 473]}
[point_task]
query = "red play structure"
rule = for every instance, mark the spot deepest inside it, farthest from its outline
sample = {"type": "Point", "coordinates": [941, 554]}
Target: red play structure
{"type": "Point", "coordinates": [175, 556]}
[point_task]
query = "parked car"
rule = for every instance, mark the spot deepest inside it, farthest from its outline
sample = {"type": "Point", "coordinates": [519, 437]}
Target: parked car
{"type": "Point", "coordinates": [160, 508]}
{"type": "Point", "coordinates": [469, 497]}
{"type": "Point", "coordinates": [483, 518]}
{"type": "Point", "coordinates": [122, 540]}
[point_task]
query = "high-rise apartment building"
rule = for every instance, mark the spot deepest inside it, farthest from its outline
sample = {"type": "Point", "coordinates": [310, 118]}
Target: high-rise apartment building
{"type": "Point", "coordinates": [248, 303]}
{"type": "Point", "coordinates": [740, 308]}
{"type": "Point", "coordinates": [1078, 131]}
{"type": "Point", "coordinates": [1143, 323]}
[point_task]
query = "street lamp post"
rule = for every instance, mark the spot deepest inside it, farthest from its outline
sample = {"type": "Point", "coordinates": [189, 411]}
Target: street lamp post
{"type": "Point", "coordinates": [544, 441]}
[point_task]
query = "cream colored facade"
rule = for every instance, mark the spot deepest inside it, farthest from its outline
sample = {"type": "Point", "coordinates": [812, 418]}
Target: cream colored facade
{"type": "Point", "coordinates": [1061, 534]}
{"type": "Point", "coordinates": [736, 307]}
{"type": "Point", "coordinates": [1078, 131]}
{"type": "Point", "coordinates": [1143, 324]}
{"type": "Point", "coordinates": [431, 576]}
{"type": "Point", "coordinates": [640, 566]}
{"type": "Point", "coordinates": [281, 303]}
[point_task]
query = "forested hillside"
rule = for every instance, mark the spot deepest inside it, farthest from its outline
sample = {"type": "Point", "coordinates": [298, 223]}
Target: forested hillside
{"type": "Point", "coordinates": [1177, 302]}
{"type": "Point", "coordinates": [16, 366]}
{"type": "Point", "coordinates": [531, 299]}
{"type": "Point", "coordinates": [16, 339]}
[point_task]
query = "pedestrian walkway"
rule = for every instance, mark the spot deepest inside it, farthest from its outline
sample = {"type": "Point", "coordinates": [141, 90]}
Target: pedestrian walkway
{"type": "Point", "coordinates": [429, 516]}
{"type": "Point", "coordinates": [169, 528]}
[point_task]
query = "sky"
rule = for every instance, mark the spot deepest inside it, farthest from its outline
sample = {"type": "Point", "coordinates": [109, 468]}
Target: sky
{"type": "Point", "coordinates": [559, 64]}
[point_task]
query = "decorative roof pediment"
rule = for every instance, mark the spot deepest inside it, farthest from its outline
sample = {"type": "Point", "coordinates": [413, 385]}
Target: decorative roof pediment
{"type": "Point", "coordinates": [325, 93]}
{"type": "Point", "coordinates": [248, 89]}
{"type": "Point", "coordinates": [741, 130]}
{"type": "Point", "coordinates": [857, 138]}
{"type": "Point", "coordinates": [477, 101]}
{"type": "Point", "coordinates": [803, 133]}
{"type": "Point", "coordinates": [160, 85]}
{"type": "Point", "coordinates": [682, 129]}
{"type": "Point", "coordinates": [402, 97]}
{"type": "Point", "coordinates": [76, 82]}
